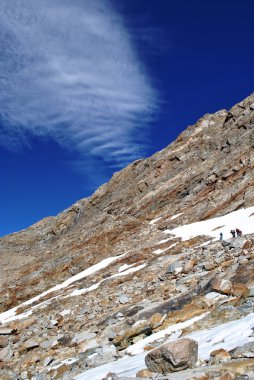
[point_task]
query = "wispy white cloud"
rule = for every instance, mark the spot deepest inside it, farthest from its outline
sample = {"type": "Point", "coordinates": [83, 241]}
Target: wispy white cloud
{"type": "Point", "coordinates": [68, 70]}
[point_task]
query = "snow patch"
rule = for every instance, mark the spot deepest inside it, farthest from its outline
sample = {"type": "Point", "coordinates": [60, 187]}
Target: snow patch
{"type": "Point", "coordinates": [242, 219]}
{"type": "Point", "coordinates": [10, 315]}
{"type": "Point", "coordinates": [176, 216]}
{"type": "Point", "coordinates": [155, 220]}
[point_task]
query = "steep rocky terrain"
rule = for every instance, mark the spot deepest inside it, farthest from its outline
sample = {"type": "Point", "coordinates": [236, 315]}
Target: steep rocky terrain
{"type": "Point", "coordinates": [80, 282]}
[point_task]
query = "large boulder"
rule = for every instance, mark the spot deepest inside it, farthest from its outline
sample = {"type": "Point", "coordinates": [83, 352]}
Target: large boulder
{"type": "Point", "coordinates": [173, 356]}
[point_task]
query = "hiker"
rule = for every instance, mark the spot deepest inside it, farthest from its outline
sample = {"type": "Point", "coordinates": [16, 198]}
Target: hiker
{"type": "Point", "coordinates": [221, 236]}
{"type": "Point", "coordinates": [233, 233]}
{"type": "Point", "coordinates": [238, 232]}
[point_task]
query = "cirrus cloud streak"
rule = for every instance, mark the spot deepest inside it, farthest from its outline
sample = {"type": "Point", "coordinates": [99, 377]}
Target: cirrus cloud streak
{"type": "Point", "coordinates": [68, 70]}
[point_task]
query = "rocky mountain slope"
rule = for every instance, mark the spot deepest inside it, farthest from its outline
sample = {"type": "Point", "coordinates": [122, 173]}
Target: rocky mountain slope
{"type": "Point", "coordinates": [79, 289]}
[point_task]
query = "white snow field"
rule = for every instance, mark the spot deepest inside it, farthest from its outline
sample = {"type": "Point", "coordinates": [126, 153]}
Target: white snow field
{"type": "Point", "coordinates": [242, 219]}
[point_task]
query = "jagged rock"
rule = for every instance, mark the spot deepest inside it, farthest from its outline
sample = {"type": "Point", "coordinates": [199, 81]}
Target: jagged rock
{"type": "Point", "coordinates": [46, 344]}
{"type": "Point", "coordinates": [6, 354]}
{"type": "Point", "coordinates": [123, 298]}
{"type": "Point", "coordinates": [7, 331]}
{"type": "Point", "coordinates": [212, 298]}
{"type": "Point", "coordinates": [188, 266]}
{"type": "Point", "coordinates": [222, 286]}
{"type": "Point", "coordinates": [87, 345]}
{"type": "Point", "coordinates": [175, 268]}
{"type": "Point", "coordinates": [29, 345]}
{"type": "Point", "coordinates": [239, 243]}
{"type": "Point", "coordinates": [219, 356]}
{"type": "Point", "coordinates": [245, 351]}
{"type": "Point", "coordinates": [174, 356]}
{"type": "Point", "coordinates": [156, 320]}
{"type": "Point", "coordinates": [83, 336]}
{"type": "Point", "coordinates": [48, 361]}
{"type": "Point", "coordinates": [240, 290]}
{"type": "Point", "coordinates": [123, 341]}
{"type": "Point", "coordinates": [208, 266]}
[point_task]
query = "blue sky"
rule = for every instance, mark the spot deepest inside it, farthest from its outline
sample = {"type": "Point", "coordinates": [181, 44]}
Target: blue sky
{"type": "Point", "coordinates": [89, 86]}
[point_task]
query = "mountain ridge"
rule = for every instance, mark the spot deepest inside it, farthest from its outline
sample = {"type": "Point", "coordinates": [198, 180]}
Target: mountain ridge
{"type": "Point", "coordinates": [131, 222]}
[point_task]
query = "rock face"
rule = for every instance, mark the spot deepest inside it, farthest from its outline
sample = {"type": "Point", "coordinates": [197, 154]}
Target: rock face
{"type": "Point", "coordinates": [107, 274]}
{"type": "Point", "coordinates": [172, 357]}
{"type": "Point", "coordinates": [190, 177]}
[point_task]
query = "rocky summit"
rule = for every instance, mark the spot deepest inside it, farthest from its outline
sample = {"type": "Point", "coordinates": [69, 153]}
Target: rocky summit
{"type": "Point", "coordinates": [143, 279]}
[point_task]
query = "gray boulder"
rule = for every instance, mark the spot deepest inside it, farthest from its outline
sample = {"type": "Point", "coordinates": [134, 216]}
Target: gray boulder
{"type": "Point", "coordinates": [173, 356]}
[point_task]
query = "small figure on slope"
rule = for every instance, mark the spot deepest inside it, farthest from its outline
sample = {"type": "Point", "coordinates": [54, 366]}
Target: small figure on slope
{"type": "Point", "coordinates": [221, 236]}
{"type": "Point", "coordinates": [232, 233]}
{"type": "Point", "coordinates": [238, 232]}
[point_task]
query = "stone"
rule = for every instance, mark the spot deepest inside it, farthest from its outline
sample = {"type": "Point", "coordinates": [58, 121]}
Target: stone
{"type": "Point", "coordinates": [240, 290]}
{"type": "Point", "coordinates": [239, 243]}
{"type": "Point", "coordinates": [46, 344]}
{"type": "Point", "coordinates": [29, 345]}
{"type": "Point", "coordinates": [245, 351]}
{"type": "Point", "coordinates": [65, 312]}
{"type": "Point", "coordinates": [109, 349]}
{"type": "Point", "coordinates": [188, 265]}
{"type": "Point", "coordinates": [85, 310]}
{"type": "Point", "coordinates": [219, 356]}
{"type": "Point", "coordinates": [48, 361]}
{"type": "Point", "coordinates": [87, 345]}
{"type": "Point", "coordinates": [156, 320]}
{"type": "Point", "coordinates": [3, 341]}
{"type": "Point", "coordinates": [53, 322]}
{"type": "Point", "coordinates": [111, 335]}
{"type": "Point", "coordinates": [213, 297]}
{"type": "Point", "coordinates": [175, 268]}
{"type": "Point", "coordinates": [83, 336]}
{"type": "Point", "coordinates": [6, 354]}
{"type": "Point", "coordinates": [123, 299]}
{"type": "Point", "coordinates": [251, 291]}
{"type": "Point", "coordinates": [173, 357]}
{"type": "Point", "coordinates": [144, 373]}
{"type": "Point", "coordinates": [124, 340]}
{"type": "Point", "coordinates": [7, 331]}
{"type": "Point", "coordinates": [209, 266]}
{"type": "Point", "coordinates": [222, 285]}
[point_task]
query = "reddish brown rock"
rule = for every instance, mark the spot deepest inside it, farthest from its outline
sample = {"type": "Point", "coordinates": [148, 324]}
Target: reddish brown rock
{"type": "Point", "coordinates": [188, 266]}
{"type": "Point", "coordinates": [220, 355]}
{"type": "Point", "coordinates": [144, 373]}
{"type": "Point", "coordinates": [222, 286]}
